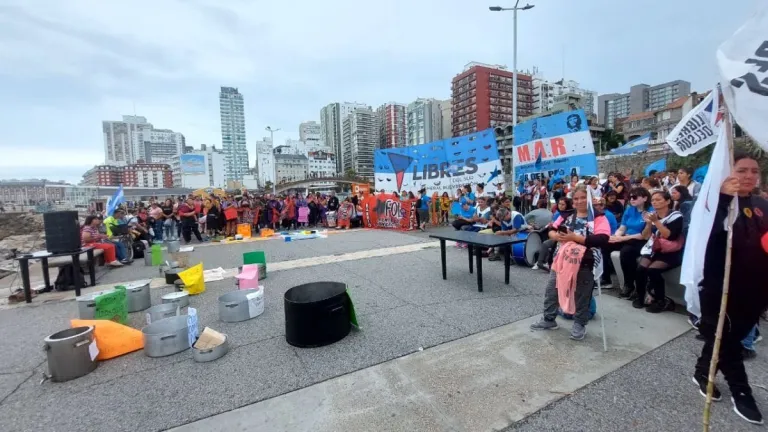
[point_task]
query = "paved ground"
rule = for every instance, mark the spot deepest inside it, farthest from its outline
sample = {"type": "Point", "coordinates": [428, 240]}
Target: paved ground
{"type": "Point", "coordinates": [403, 305]}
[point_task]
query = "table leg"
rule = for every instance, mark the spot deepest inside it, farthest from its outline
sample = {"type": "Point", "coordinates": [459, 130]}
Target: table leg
{"type": "Point", "coordinates": [507, 262]}
{"type": "Point", "coordinates": [91, 266]}
{"type": "Point", "coordinates": [469, 250]}
{"type": "Point", "coordinates": [46, 274]}
{"type": "Point", "coordinates": [24, 267]}
{"type": "Point", "coordinates": [76, 271]}
{"type": "Point", "coordinates": [479, 257]}
{"type": "Point", "coordinates": [442, 257]}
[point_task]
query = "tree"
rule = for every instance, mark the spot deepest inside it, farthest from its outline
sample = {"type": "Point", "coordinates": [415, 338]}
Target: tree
{"type": "Point", "coordinates": [350, 174]}
{"type": "Point", "coordinates": [610, 140]}
{"type": "Point", "coordinates": [268, 185]}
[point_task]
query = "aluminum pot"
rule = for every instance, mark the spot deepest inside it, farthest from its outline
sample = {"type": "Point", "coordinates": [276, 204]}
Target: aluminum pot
{"type": "Point", "coordinates": [173, 246]}
{"type": "Point", "coordinates": [71, 353]}
{"type": "Point", "coordinates": [166, 337]}
{"type": "Point", "coordinates": [148, 258]}
{"type": "Point", "coordinates": [138, 296]}
{"type": "Point", "coordinates": [86, 304]}
{"type": "Point", "coordinates": [162, 311]}
{"type": "Point", "coordinates": [241, 305]}
{"type": "Point", "coordinates": [180, 298]}
{"type": "Point", "coordinates": [202, 356]}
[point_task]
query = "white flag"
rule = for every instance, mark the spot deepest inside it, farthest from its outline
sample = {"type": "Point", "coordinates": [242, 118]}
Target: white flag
{"type": "Point", "coordinates": [704, 209]}
{"type": "Point", "coordinates": [743, 62]}
{"type": "Point", "coordinates": [699, 128]}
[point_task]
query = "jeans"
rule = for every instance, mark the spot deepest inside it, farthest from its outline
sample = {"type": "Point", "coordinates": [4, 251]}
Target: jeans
{"type": "Point", "coordinates": [749, 341]}
{"type": "Point", "coordinates": [169, 229]}
{"type": "Point", "coordinates": [547, 247]}
{"type": "Point", "coordinates": [158, 228]}
{"type": "Point", "coordinates": [459, 224]}
{"type": "Point", "coordinates": [471, 228]}
{"type": "Point", "coordinates": [119, 250]}
{"type": "Point", "coordinates": [583, 295]}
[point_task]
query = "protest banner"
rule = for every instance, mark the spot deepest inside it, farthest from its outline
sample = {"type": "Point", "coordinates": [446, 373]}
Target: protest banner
{"type": "Point", "coordinates": [388, 211]}
{"type": "Point", "coordinates": [555, 145]}
{"type": "Point", "coordinates": [698, 128]}
{"type": "Point", "coordinates": [440, 166]}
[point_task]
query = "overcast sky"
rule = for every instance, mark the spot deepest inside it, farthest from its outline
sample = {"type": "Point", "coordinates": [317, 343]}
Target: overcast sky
{"type": "Point", "coordinates": [67, 65]}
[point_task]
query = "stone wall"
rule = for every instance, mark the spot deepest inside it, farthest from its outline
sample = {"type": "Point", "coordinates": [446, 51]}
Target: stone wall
{"type": "Point", "coordinates": [628, 163]}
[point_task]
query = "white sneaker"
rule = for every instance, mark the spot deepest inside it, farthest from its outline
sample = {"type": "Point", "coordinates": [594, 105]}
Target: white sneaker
{"type": "Point", "coordinates": [535, 266]}
{"type": "Point", "coordinates": [115, 264]}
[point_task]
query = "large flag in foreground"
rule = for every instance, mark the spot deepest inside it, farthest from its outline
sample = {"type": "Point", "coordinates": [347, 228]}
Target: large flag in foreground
{"type": "Point", "coordinates": [697, 129]}
{"type": "Point", "coordinates": [692, 270]}
{"type": "Point", "coordinates": [743, 62]}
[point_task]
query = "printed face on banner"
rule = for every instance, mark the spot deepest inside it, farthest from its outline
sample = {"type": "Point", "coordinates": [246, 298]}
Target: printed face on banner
{"type": "Point", "coordinates": [441, 166]}
{"type": "Point", "coordinates": [553, 144]}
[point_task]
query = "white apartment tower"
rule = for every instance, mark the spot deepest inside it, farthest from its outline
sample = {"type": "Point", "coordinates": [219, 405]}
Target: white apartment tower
{"type": "Point", "coordinates": [233, 133]}
{"type": "Point", "coordinates": [546, 94]}
{"type": "Point", "coordinates": [134, 139]}
{"type": "Point", "coordinates": [331, 130]}
{"type": "Point", "coordinates": [310, 133]}
{"type": "Point", "coordinates": [424, 121]}
{"type": "Point", "coordinates": [361, 135]}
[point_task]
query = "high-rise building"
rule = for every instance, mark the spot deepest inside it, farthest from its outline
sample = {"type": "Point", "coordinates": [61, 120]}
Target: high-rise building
{"type": "Point", "coordinates": [331, 131]}
{"type": "Point", "coordinates": [641, 98]}
{"type": "Point", "coordinates": [391, 121]}
{"type": "Point", "coordinates": [310, 133]}
{"type": "Point", "coordinates": [160, 145]}
{"type": "Point", "coordinates": [546, 93]}
{"type": "Point", "coordinates": [233, 133]}
{"type": "Point", "coordinates": [482, 97]}
{"type": "Point", "coordinates": [265, 162]}
{"type": "Point", "coordinates": [425, 120]}
{"type": "Point", "coordinates": [361, 136]}
{"type": "Point", "coordinates": [199, 168]}
{"type": "Point", "coordinates": [134, 139]}
{"type": "Point", "coordinates": [446, 110]}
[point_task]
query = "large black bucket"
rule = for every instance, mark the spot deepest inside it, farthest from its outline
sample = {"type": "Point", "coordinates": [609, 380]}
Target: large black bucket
{"type": "Point", "coordinates": [316, 314]}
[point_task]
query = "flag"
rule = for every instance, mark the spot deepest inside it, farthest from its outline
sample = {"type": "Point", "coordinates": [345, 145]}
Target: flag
{"type": "Point", "coordinates": [700, 174]}
{"type": "Point", "coordinates": [658, 166]}
{"type": "Point", "coordinates": [115, 201]}
{"type": "Point", "coordinates": [704, 209]}
{"type": "Point", "coordinates": [636, 145]}
{"type": "Point", "coordinates": [699, 128]}
{"type": "Point", "coordinates": [743, 63]}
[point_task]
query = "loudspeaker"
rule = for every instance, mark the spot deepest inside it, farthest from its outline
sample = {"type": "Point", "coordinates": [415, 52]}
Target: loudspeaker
{"type": "Point", "coordinates": [62, 231]}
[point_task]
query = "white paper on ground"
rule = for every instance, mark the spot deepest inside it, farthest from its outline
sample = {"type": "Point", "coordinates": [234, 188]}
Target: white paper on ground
{"type": "Point", "coordinates": [93, 350]}
{"type": "Point", "coordinates": [255, 303]}
{"type": "Point", "coordinates": [192, 325]}
{"type": "Point", "coordinates": [187, 249]}
{"type": "Point", "coordinates": [211, 275]}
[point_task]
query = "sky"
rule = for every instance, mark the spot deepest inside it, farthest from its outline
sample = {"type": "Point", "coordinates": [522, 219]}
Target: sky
{"type": "Point", "coordinates": [67, 65]}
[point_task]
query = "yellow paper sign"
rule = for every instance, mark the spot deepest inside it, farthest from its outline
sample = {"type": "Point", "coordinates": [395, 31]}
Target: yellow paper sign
{"type": "Point", "coordinates": [193, 279]}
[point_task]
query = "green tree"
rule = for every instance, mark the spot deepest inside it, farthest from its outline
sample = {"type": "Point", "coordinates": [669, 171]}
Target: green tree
{"type": "Point", "coordinates": [350, 174]}
{"type": "Point", "coordinates": [702, 157]}
{"type": "Point", "coordinates": [268, 185]}
{"type": "Point", "coordinates": [610, 139]}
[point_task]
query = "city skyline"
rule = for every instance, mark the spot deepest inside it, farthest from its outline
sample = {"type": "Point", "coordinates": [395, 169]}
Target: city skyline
{"type": "Point", "coordinates": [65, 79]}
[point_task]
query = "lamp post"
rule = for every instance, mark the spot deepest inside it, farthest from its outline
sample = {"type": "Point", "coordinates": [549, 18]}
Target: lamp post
{"type": "Point", "coordinates": [514, 10]}
{"type": "Point", "coordinates": [274, 160]}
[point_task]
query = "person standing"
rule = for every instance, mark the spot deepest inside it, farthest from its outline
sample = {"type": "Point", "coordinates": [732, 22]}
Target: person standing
{"type": "Point", "coordinates": [156, 214]}
{"type": "Point", "coordinates": [748, 295]}
{"type": "Point", "coordinates": [189, 221]}
{"type": "Point", "coordinates": [685, 178]}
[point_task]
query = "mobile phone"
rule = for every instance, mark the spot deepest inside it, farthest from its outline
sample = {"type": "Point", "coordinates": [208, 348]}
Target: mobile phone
{"type": "Point", "coordinates": [562, 229]}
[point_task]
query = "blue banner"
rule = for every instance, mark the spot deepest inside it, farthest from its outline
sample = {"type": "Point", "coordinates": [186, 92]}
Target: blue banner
{"type": "Point", "coordinates": [441, 166]}
{"type": "Point", "coordinates": [636, 145]}
{"type": "Point", "coordinates": [658, 166]}
{"type": "Point", "coordinates": [700, 173]}
{"type": "Point", "coordinates": [554, 146]}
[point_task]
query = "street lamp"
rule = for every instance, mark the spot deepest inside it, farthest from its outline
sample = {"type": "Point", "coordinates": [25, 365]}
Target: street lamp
{"type": "Point", "coordinates": [514, 59]}
{"type": "Point", "coordinates": [274, 160]}
{"type": "Point", "coordinates": [514, 51]}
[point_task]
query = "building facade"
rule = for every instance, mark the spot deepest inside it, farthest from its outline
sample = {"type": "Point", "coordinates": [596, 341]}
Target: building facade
{"type": "Point", "coordinates": [210, 173]}
{"type": "Point", "coordinates": [641, 98]}
{"type": "Point", "coordinates": [290, 167]}
{"type": "Point", "coordinates": [145, 175]}
{"type": "Point", "coordinates": [233, 139]}
{"type": "Point", "coordinates": [391, 121]}
{"type": "Point", "coordinates": [446, 115]}
{"type": "Point", "coordinates": [546, 93]}
{"type": "Point", "coordinates": [121, 140]}
{"type": "Point", "coordinates": [265, 162]}
{"type": "Point", "coordinates": [331, 127]}
{"type": "Point", "coordinates": [424, 121]}
{"type": "Point", "coordinates": [483, 97]}
{"type": "Point", "coordinates": [30, 192]}
{"type": "Point", "coordinates": [160, 145]}
{"type": "Point", "coordinates": [310, 133]}
{"type": "Point", "coordinates": [361, 136]}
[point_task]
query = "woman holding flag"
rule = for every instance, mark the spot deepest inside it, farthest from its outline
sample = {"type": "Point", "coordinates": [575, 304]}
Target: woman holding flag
{"type": "Point", "coordinates": [579, 238]}
{"type": "Point", "coordinates": [748, 295]}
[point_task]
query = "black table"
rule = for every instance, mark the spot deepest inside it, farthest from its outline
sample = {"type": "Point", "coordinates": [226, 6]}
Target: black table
{"type": "Point", "coordinates": [476, 243]}
{"type": "Point", "coordinates": [43, 256]}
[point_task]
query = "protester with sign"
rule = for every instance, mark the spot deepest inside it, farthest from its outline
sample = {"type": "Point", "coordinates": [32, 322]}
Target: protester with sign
{"type": "Point", "coordinates": [662, 252]}
{"type": "Point", "coordinates": [579, 239]}
{"type": "Point", "coordinates": [748, 295]}
{"type": "Point", "coordinates": [685, 178]}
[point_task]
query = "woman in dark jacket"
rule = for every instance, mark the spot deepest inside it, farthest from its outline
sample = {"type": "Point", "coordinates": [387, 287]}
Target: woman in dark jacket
{"type": "Point", "coordinates": [748, 292]}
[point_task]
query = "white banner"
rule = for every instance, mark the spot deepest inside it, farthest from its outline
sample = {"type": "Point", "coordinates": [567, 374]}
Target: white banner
{"type": "Point", "coordinates": [743, 62]}
{"type": "Point", "coordinates": [699, 128]}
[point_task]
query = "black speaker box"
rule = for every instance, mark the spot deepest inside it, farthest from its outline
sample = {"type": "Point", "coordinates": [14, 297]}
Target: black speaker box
{"type": "Point", "coordinates": [62, 231]}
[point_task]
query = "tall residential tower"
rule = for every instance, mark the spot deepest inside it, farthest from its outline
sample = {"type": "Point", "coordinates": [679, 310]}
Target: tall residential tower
{"type": "Point", "coordinates": [233, 133]}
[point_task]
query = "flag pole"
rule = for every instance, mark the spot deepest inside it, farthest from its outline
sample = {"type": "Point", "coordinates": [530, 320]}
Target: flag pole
{"type": "Point", "coordinates": [726, 281]}
{"type": "Point", "coordinates": [602, 319]}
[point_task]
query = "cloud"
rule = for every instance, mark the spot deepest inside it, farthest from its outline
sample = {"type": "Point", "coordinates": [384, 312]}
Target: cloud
{"type": "Point", "coordinates": [66, 66]}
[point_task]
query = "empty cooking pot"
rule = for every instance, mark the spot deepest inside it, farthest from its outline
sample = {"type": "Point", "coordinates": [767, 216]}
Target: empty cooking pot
{"type": "Point", "coordinates": [165, 337]}
{"type": "Point", "coordinates": [71, 353]}
{"type": "Point", "coordinates": [316, 314]}
{"type": "Point", "coordinates": [138, 296]}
